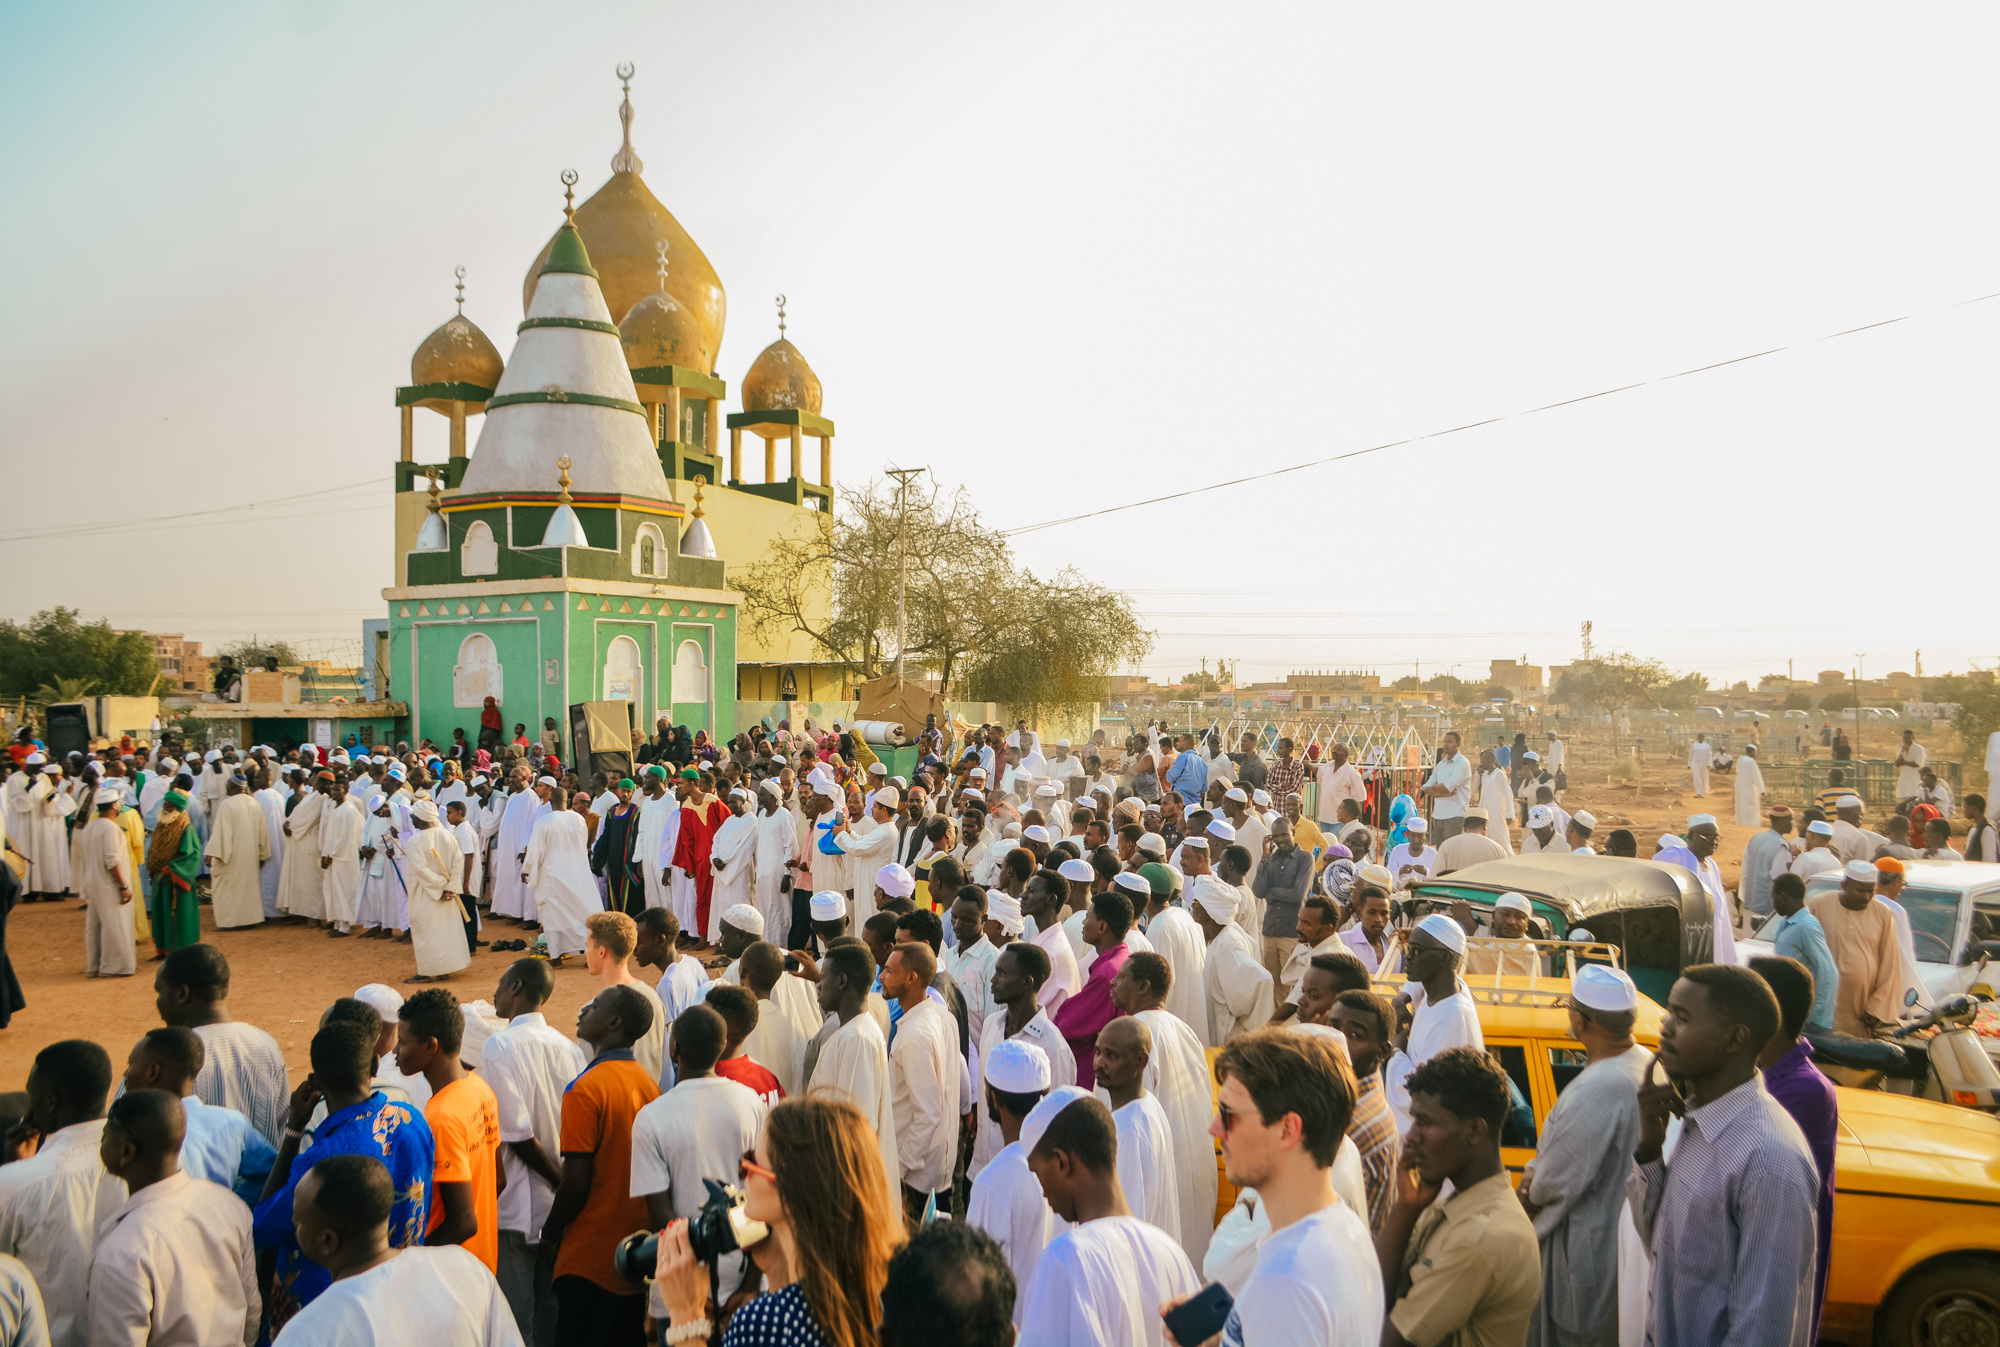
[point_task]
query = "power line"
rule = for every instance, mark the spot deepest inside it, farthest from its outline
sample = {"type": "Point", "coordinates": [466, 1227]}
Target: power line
{"type": "Point", "coordinates": [106, 526]}
{"type": "Point", "coordinates": [1472, 425]}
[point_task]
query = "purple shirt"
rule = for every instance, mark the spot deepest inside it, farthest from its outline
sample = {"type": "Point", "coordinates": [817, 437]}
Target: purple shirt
{"type": "Point", "coordinates": [1080, 1017]}
{"type": "Point", "coordinates": [1809, 1097]}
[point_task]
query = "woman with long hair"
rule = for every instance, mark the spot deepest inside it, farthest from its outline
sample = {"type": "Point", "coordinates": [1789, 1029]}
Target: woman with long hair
{"type": "Point", "coordinates": [816, 1180]}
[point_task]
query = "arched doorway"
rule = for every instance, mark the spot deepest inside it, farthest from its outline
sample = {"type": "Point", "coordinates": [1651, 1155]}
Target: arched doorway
{"type": "Point", "coordinates": [478, 674]}
{"type": "Point", "coordinates": [622, 670]}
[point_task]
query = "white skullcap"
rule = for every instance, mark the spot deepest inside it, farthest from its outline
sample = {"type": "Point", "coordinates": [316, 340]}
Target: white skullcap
{"type": "Point", "coordinates": [424, 810]}
{"type": "Point", "coordinates": [52, 769]}
{"type": "Point", "coordinates": [1221, 831]}
{"type": "Point", "coordinates": [1445, 931]}
{"type": "Point", "coordinates": [1820, 827]}
{"type": "Point", "coordinates": [1062, 743]}
{"type": "Point", "coordinates": [1125, 879]}
{"type": "Point", "coordinates": [1261, 797]}
{"type": "Point", "coordinates": [109, 795]}
{"type": "Point", "coordinates": [479, 780]}
{"type": "Point", "coordinates": [828, 905]}
{"type": "Point", "coordinates": [1697, 820]}
{"type": "Point", "coordinates": [1037, 1122]}
{"type": "Point", "coordinates": [744, 918]}
{"type": "Point", "coordinates": [547, 781]}
{"type": "Point", "coordinates": [1583, 818]}
{"type": "Point", "coordinates": [1541, 816]}
{"type": "Point", "coordinates": [895, 881]}
{"type": "Point", "coordinates": [1005, 909]}
{"type": "Point", "coordinates": [1216, 898]}
{"type": "Point", "coordinates": [213, 755]}
{"type": "Point", "coordinates": [1080, 871]}
{"type": "Point", "coordinates": [1047, 792]}
{"type": "Point", "coordinates": [1378, 875]}
{"type": "Point", "coordinates": [1531, 756]}
{"type": "Point", "coordinates": [1017, 1067]}
{"type": "Point", "coordinates": [1197, 843]}
{"type": "Point", "coordinates": [375, 801]}
{"type": "Point", "coordinates": [1416, 823]}
{"type": "Point", "coordinates": [1152, 844]}
{"type": "Point", "coordinates": [1848, 802]}
{"type": "Point", "coordinates": [886, 798]}
{"type": "Point", "coordinates": [739, 793]}
{"type": "Point", "coordinates": [770, 783]}
{"type": "Point", "coordinates": [1473, 813]}
{"type": "Point", "coordinates": [1011, 830]}
{"type": "Point", "coordinates": [1601, 988]}
{"type": "Point", "coordinates": [899, 783]}
{"type": "Point", "coordinates": [979, 772]}
{"type": "Point", "coordinates": [1512, 902]}
{"type": "Point", "coordinates": [1034, 832]}
{"type": "Point", "coordinates": [1861, 871]}
{"type": "Point", "coordinates": [385, 999]}
{"type": "Point", "coordinates": [1236, 793]}
{"type": "Point", "coordinates": [36, 760]}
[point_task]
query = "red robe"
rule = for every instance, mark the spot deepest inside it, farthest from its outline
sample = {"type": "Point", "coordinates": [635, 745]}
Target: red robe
{"type": "Point", "coordinates": [691, 855]}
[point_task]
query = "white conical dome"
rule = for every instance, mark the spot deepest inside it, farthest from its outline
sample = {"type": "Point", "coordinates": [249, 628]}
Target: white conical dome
{"type": "Point", "coordinates": [566, 391]}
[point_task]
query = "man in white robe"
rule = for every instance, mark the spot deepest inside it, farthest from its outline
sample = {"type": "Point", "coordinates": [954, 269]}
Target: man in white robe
{"type": "Point", "coordinates": [106, 881]}
{"type": "Point", "coordinates": [1176, 938]}
{"type": "Point", "coordinates": [433, 865]}
{"type": "Point", "coordinates": [1749, 788]}
{"type": "Point", "coordinates": [239, 849]}
{"type": "Point", "coordinates": [340, 833]}
{"type": "Point", "coordinates": [1146, 1160]}
{"type": "Point", "coordinates": [866, 847]}
{"type": "Point", "coordinates": [300, 891]}
{"type": "Point", "coordinates": [776, 861]}
{"type": "Point", "coordinates": [1239, 987]}
{"type": "Point", "coordinates": [656, 806]}
{"type": "Point", "coordinates": [1006, 1200]}
{"type": "Point", "coordinates": [1445, 1015]}
{"type": "Point", "coordinates": [1177, 1076]}
{"type": "Point", "coordinates": [511, 895]}
{"type": "Point", "coordinates": [731, 852]}
{"type": "Point", "coordinates": [48, 849]}
{"type": "Point", "coordinates": [382, 869]}
{"type": "Point", "coordinates": [557, 874]}
{"type": "Point", "coordinates": [1700, 754]}
{"type": "Point", "coordinates": [853, 1061]}
{"type": "Point", "coordinates": [1496, 797]}
{"type": "Point", "coordinates": [19, 817]}
{"type": "Point", "coordinates": [272, 803]}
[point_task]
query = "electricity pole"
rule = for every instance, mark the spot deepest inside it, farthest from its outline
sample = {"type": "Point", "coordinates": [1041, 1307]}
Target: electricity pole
{"type": "Point", "coordinates": [902, 476]}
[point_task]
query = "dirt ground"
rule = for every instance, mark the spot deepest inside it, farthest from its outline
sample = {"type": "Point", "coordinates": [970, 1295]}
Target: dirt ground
{"type": "Point", "coordinates": [282, 977]}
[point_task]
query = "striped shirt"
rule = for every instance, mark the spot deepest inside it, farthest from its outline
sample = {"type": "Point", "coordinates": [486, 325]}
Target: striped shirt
{"type": "Point", "coordinates": [1373, 1132]}
{"type": "Point", "coordinates": [1730, 1222]}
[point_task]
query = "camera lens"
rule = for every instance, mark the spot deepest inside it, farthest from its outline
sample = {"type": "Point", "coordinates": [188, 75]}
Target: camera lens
{"type": "Point", "coordinates": [636, 1256]}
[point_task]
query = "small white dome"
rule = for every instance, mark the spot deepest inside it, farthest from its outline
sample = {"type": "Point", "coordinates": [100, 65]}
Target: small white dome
{"type": "Point", "coordinates": [696, 542]}
{"type": "Point", "coordinates": [565, 529]}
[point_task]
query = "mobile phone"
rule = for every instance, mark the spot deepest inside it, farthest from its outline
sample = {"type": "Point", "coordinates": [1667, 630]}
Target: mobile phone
{"type": "Point", "coordinates": [1200, 1317]}
{"type": "Point", "coordinates": [791, 963]}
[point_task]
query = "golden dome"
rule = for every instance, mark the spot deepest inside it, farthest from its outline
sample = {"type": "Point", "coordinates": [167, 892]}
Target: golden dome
{"type": "Point", "coordinates": [622, 226]}
{"type": "Point", "coordinates": [660, 331]}
{"type": "Point", "coordinates": [457, 353]}
{"type": "Point", "coordinates": [781, 380]}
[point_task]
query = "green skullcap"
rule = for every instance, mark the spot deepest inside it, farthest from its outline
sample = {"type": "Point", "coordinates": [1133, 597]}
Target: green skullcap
{"type": "Point", "coordinates": [1158, 878]}
{"type": "Point", "coordinates": [627, 783]}
{"type": "Point", "coordinates": [690, 774]}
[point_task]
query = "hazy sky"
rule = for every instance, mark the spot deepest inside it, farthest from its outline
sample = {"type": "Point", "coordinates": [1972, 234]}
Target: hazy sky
{"type": "Point", "coordinates": [1072, 256]}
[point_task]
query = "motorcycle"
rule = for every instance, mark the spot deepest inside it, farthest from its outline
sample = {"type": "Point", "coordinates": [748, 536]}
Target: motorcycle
{"type": "Point", "coordinates": [1951, 1066]}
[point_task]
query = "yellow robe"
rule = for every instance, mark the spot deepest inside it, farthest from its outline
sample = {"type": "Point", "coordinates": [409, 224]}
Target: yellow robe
{"type": "Point", "coordinates": [133, 825]}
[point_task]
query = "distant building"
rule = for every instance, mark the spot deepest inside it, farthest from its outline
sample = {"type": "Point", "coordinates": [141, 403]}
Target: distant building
{"type": "Point", "coordinates": [185, 667]}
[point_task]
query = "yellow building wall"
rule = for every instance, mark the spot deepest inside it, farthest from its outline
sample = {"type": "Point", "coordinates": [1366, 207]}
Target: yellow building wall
{"type": "Point", "coordinates": [743, 526]}
{"type": "Point", "coordinates": [411, 507]}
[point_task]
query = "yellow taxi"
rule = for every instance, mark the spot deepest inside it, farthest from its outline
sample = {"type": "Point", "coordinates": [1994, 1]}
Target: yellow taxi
{"type": "Point", "coordinates": [1916, 1215]}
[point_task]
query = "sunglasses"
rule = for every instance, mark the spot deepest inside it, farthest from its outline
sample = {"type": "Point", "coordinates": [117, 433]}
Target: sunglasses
{"type": "Point", "coordinates": [748, 1165]}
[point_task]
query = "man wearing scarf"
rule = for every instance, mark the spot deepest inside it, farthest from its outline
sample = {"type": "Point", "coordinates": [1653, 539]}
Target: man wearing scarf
{"type": "Point", "coordinates": [173, 860]}
{"type": "Point", "coordinates": [611, 855]}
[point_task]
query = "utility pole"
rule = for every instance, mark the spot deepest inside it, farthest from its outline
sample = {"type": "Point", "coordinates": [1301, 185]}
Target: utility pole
{"type": "Point", "coordinates": [1860, 664]}
{"type": "Point", "coordinates": [902, 476]}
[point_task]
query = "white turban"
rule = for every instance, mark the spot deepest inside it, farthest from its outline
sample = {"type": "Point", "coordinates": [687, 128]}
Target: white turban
{"type": "Point", "coordinates": [1006, 910]}
{"type": "Point", "coordinates": [895, 881]}
{"type": "Point", "coordinates": [745, 918]}
{"type": "Point", "coordinates": [424, 810]}
{"type": "Point", "coordinates": [1216, 898]}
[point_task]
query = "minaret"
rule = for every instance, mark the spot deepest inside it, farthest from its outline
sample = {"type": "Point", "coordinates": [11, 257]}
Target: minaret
{"type": "Point", "coordinates": [781, 400]}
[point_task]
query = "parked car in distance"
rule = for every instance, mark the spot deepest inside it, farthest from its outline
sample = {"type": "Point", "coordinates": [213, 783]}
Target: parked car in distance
{"type": "Point", "coordinates": [1798, 715]}
{"type": "Point", "coordinates": [1708, 713]}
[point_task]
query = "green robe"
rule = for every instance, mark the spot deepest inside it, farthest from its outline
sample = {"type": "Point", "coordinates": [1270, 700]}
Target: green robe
{"type": "Point", "coordinates": [175, 910]}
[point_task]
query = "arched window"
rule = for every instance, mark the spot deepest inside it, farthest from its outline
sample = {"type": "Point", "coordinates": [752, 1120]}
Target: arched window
{"type": "Point", "coordinates": [478, 674]}
{"type": "Point", "coordinates": [690, 673]}
{"type": "Point", "coordinates": [621, 671]}
{"type": "Point", "coordinates": [479, 554]}
{"type": "Point", "coordinates": [649, 551]}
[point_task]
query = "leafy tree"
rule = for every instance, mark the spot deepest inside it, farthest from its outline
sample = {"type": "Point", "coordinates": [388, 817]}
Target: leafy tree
{"type": "Point", "coordinates": [1839, 700]}
{"type": "Point", "coordinates": [1496, 693]}
{"type": "Point", "coordinates": [1450, 689]}
{"type": "Point", "coordinates": [1204, 682]}
{"type": "Point", "coordinates": [1067, 636]}
{"type": "Point", "coordinates": [1797, 701]}
{"type": "Point", "coordinates": [251, 653]}
{"type": "Point", "coordinates": [1739, 686]}
{"type": "Point", "coordinates": [57, 645]}
{"type": "Point", "coordinates": [1408, 683]}
{"type": "Point", "coordinates": [1770, 679]}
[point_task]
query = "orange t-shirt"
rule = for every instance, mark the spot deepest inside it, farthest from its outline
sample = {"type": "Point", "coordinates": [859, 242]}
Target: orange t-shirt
{"type": "Point", "coordinates": [597, 1113]}
{"type": "Point", "coordinates": [465, 1122]}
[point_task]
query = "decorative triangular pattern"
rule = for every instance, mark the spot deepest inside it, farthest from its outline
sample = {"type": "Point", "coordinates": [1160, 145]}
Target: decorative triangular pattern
{"type": "Point", "coordinates": [625, 607]}
{"type": "Point", "coordinates": [463, 611]}
{"type": "Point", "coordinates": [423, 611]}
{"type": "Point", "coordinates": [405, 611]}
{"type": "Point", "coordinates": [645, 609]}
{"type": "Point", "coordinates": [685, 612]}
{"type": "Point", "coordinates": [583, 605]}
{"type": "Point", "coordinates": [547, 606]}
{"type": "Point", "coordinates": [483, 608]}
{"type": "Point", "coordinates": [722, 612]}
{"type": "Point", "coordinates": [604, 607]}
{"type": "Point", "coordinates": [506, 607]}
{"type": "Point", "coordinates": [701, 611]}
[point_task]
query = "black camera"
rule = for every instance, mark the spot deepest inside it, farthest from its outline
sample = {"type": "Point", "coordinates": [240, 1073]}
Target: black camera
{"type": "Point", "coordinates": [720, 1227]}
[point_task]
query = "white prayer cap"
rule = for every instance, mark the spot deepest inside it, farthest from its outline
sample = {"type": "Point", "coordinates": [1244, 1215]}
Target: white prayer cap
{"type": "Point", "coordinates": [1697, 820]}
{"type": "Point", "coordinates": [213, 755]}
{"type": "Point", "coordinates": [1101, 789]}
{"type": "Point", "coordinates": [1194, 843]}
{"type": "Point", "coordinates": [1863, 872]}
{"type": "Point", "coordinates": [886, 798]}
{"type": "Point", "coordinates": [547, 781]}
{"type": "Point", "coordinates": [1261, 798]}
{"type": "Point", "coordinates": [1531, 756]}
{"type": "Point", "coordinates": [165, 763]}
{"type": "Point", "coordinates": [1216, 898]}
{"type": "Point", "coordinates": [1670, 840]}
{"type": "Point", "coordinates": [979, 772]}
{"type": "Point", "coordinates": [745, 918]}
{"type": "Point", "coordinates": [1017, 1067]}
{"type": "Point", "coordinates": [52, 769]}
{"type": "Point", "coordinates": [1221, 831]}
{"type": "Point", "coordinates": [1378, 875]}
{"type": "Point", "coordinates": [1152, 844]}
{"type": "Point", "coordinates": [424, 810]}
{"type": "Point", "coordinates": [1445, 931]}
{"type": "Point", "coordinates": [36, 760]}
{"type": "Point", "coordinates": [479, 780]}
{"type": "Point", "coordinates": [1848, 802]}
{"type": "Point", "coordinates": [895, 881]}
{"type": "Point", "coordinates": [1416, 823]}
{"type": "Point", "coordinates": [739, 794]}
{"type": "Point", "coordinates": [1601, 988]}
{"type": "Point", "coordinates": [1473, 813]}
{"type": "Point", "coordinates": [1583, 818]}
{"type": "Point", "coordinates": [1005, 909]}
{"type": "Point", "coordinates": [1125, 879]}
{"type": "Point", "coordinates": [385, 999]}
{"type": "Point", "coordinates": [900, 783]}
{"type": "Point", "coordinates": [109, 795]}
{"type": "Point", "coordinates": [1037, 1122]}
{"type": "Point", "coordinates": [877, 769]}
{"type": "Point", "coordinates": [770, 783]}
{"type": "Point", "coordinates": [1062, 743]}
{"type": "Point", "coordinates": [480, 1024]}
{"type": "Point", "coordinates": [1048, 791]}
{"type": "Point", "coordinates": [826, 789]}
{"type": "Point", "coordinates": [1512, 902]}
{"type": "Point", "coordinates": [828, 905]}
{"type": "Point", "coordinates": [376, 801]}
{"type": "Point", "coordinates": [1080, 871]}
{"type": "Point", "coordinates": [1034, 832]}
{"type": "Point", "coordinates": [1011, 830]}
{"type": "Point", "coordinates": [1541, 816]}
{"type": "Point", "coordinates": [1236, 793]}
{"type": "Point", "coordinates": [1820, 827]}
{"type": "Point", "coordinates": [396, 771]}
{"type": "Point", "coordinates": [819, 774]}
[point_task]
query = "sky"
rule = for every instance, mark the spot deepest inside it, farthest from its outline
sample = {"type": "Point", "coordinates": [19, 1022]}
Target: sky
{"type": "Point", "coordinates": [1071, 257]}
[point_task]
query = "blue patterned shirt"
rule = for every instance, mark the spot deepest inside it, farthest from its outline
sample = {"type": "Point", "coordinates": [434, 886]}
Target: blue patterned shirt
{"type": "Point", "coordinates": [392, 1132]}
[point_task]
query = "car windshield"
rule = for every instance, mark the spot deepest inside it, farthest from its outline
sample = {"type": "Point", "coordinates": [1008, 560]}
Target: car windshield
{"type": "Point", "coordinates": [1933, 916]}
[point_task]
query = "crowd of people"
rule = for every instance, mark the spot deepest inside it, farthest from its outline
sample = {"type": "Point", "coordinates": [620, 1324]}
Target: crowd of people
{"type": "Point", "coordinates": [952, 1064]}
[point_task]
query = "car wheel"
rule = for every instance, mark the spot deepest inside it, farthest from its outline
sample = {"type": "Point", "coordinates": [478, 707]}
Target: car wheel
{"type": "Point", "coordinates": [1953, 1303]}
